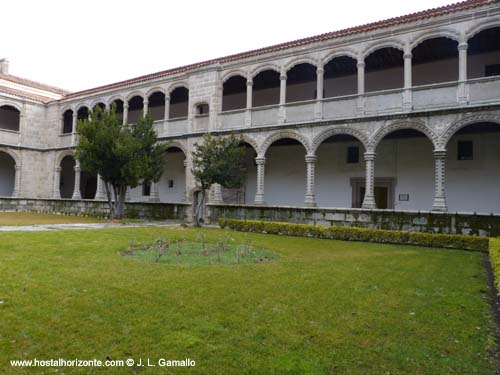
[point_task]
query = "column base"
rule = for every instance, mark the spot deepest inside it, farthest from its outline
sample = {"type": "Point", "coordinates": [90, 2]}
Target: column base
{"type": "Point", "coordinates": [154, 199]}
{"type": "Point", "coordinates": [369, 203]}
{"type": "Point", "coordinates": [310, 201]}
{"type": "Point", "coordinates": [76, 196]}
{"type": "Point", "coordinates": [439, 205]}
{"type": "Point", "coordinates": [259, 199]}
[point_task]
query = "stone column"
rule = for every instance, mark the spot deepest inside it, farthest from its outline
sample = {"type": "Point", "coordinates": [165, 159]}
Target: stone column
{"type": "Point", "coordinates": [166, 115]}
{"type": "Point", "coordinates": [217, 194]}
{"type": "Point", "coordinates": [282, 111]}
{"type": "Point", "coordinates": [318, 110]}
{"type": "Point", "coordinates": [56, 193]}
{"type": "Point", "coordinates": [187, 180]}
{"type": "Point", "coordinates": [17, 182]}
{"type": "Point", "coordinates": [76, 189]}
{"type": "Point", "coordinates": [248, 112]}
{"type": "Point", "coordinates": [360, 106]}
{"type": "Point", "coordinates": [310, 199]}
{"type": "Point", "coordinates": [462, 72]}
{"type": "Point", "coordinates": [145, 107]}
{"type": "Point", "coordinates": [73, 128]}
{"type": "Point", "coordinates": [407, 94]}
{"type": "Point", "coordinates": [439, 181]}
{"type": "Point", "coordinates": [155, 192]}
{"type": "Point", "coordinates": [369, 201]}
{"type": "Point", "coordinates": [259, 194]}
{"type": "Point", "coordinates": [99, 193]}
{"type": "Point", "coordinates": [125, 113]}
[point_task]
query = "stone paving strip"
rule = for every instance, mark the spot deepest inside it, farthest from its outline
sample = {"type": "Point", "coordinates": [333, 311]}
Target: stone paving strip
{"type": "Point", "coordinates": [46, 227]}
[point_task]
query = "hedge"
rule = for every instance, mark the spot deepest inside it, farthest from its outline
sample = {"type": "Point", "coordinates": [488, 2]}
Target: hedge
{"type": "Point", "coordinates": [451, 241]}
{"type": "Point", "coordinates": [495, 259]}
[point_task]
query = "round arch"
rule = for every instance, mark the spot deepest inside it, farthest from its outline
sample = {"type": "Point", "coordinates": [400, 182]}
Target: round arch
{"type": "Point", "coordinates": [179, 145]}
{"type": "Point", "coordinates": [233, 73]}
{"type": "Point", "coordinates": [300, 60]}
{"type": "Point", "coordinates": [440, 33]}
{"type": "Point", "coordinates": [176, 85]}
{"type": "Point", "coordinates": [477, 28]}
{"type": "Point", "coordinates": [457, 125]}
{"type": "Point", "coordinates": [8, 166]}
{"type": "Point", "coordinates": [262, 68]}
{"type": "Point", "coordinates": [133, 94]}
{"type": "Point", "coordinates": [401, 125]}
{"type": "Point", "coordinates": [345, 52]}
{"type": "Point", "coordinates": [154, 90]}
{"type": "Point", "coordinates": [325, 134]}
{"type": "Point", "coordinates": [283, 135]}
{"type": "Point", "coordinates": [11, 104]}
{"type": "Point", "coordinates": [391, 43]}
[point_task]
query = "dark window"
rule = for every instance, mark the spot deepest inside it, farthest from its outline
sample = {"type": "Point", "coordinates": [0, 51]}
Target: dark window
{"type": "Point", "coordinates": [202, 109]}
{"type": "Point", "coordinates": [146, 189]}
{"type": "Point", "coordinates": [170, 183]}
{"type": "Point", "coordinates": [465, 150]}
{"type": "Point", "coordinates": [492, 70]}
{"type": "Point", "coordinates": [352, 154]}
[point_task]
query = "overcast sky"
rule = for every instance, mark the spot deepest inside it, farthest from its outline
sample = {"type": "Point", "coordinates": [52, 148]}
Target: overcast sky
{"type": "Point", "coordinates": [78, 45]}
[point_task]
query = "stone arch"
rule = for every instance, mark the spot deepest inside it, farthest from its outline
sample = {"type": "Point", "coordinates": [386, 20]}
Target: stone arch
{"type": "Point", "coordinates": [133, 94]}
{"type": "Point", "coordinates": [114, 98]}
{"type": "Point", "coordinates": [232, 73]}
{"type": "Point", "coordinates": [64, 109]}
{"type": "Point", "coordinates": [282, 135]}
{"type": "Point", "coordinates": [264, 67]}
{"type": "Point", "coordinates": [178, 144]}
{"type": "Point", "coordinates": [457, 125]}
{"type": "Point", "coordinates": [153, 90]}
{"type": "Point", "coordinates": [13, 154]}
{"type": "Point", "coordinates": [300, 60]}
{"type": "Point", "coordinates": [81, 105]}
{"type": "Point", "coordinates": [176, 85]}
{"type": "Point", "coordinates": [11, 104]}
{"type": "Point", "coordinates": [394, 43]}
{"type": "Point", "coordinates": [478, 27]}
{"type": "Point", "coordinates": [251, 141]}
{"type": "Point", "coordinates": [96, 102]}
{"type": "Point", "coordinates": [344, 52]}
{"type": "Point", "coordinates": [439, 33]}
{"type": "Point", "coordinates": [401, 125]}
{"type": "Point", "coordinates": [325, 134]}
{"type": "Point", "coordinates": [62, 155]}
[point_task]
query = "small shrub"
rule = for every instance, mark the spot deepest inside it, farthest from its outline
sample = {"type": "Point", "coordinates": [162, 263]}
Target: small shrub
{"type": "Point", "coordinates": [451, 241]}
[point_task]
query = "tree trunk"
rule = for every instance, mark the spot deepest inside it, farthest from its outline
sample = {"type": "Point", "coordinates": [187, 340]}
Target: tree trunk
{"type": "Point", "coordinates": [110, 199]}
{"type": "Point", "coordinates": [200, 209]}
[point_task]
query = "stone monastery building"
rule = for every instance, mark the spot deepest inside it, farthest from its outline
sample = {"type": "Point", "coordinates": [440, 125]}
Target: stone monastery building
{"type": "Point", "coordinates": [400, 114]}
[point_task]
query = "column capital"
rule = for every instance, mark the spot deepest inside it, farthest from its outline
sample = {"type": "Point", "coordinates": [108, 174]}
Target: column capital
{"type": "Point", "coordinates": [370, 155]}
{"type": "Point", "coordinates": [311, 159]}
{"type": "Point", "coordinates": [408, 55]}
{"type": "Point", "coordinates": [167, 98]}
{"type": "Point", "coordinates": [185, 162]}
{"type": "Point", "coordinates": [283, 76]}
{"type": "Point", "coordinates": [145, 101]}
{"type": "Point", "coordinates": [439, 153]}
{"type": "Point", "coordinates": [77, 168]}
{"type": "Point", "coordinates": [320, 70]}
{"type": "Point", "coordinates": [260, 160]}
{"type": "Point", "coordinates": [125, 105]}
{"type": "Point", "coordinates": [58, 169]}
{"type": "Point", "coordinates": [249, 82]}
{"type": "Point", "coordinates": [463, 46]}
{"type": "Point", "coordinates": [361, 63]}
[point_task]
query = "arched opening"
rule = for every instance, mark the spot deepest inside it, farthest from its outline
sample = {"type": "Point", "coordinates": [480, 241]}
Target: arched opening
{"type": "Point", "coordinates": [118, 105]}
{"type": "Point", "coordinates": [82, 114]}
{"type": "Point", "coordinates": [340, 77]}
{"type": "Point", "coordinates": [234, 93]}
{"type": "Point", "coordinates": [179, 102]}
{"type": "Point", "coordinates": [472, 169]}
{"type": "Point", "coordinates": [339, 169]}
{"type": "Point", "coordinates": [266, 88]}
{"type": "Point", "coordinates": [101, 106]}
{"type": "Point", "coordinates": [157, 105]}
{"type": "Point", "coordinates": [484, 54]}
{"type": "Point", "coordinates": [285, 173]}
{"type": "Point", "coordinates": [301, 83]}
{"type": "Point", "coordinates": [135, 108]}
{"type": "Point", "coordinates": [67, 127]}
{"type": "Point", "coordinates": [172, 185]}
{"type": "Point", "coordinates": [7, 174]}
{"type": "Point", "coordinates": [88, 185]}
{"type": "Point", "coordinates": [435, 60]}
{"type": "Point", "coordinates": [404, 171]}
{"type": "Point", "coordinates": [9, 118]}
{"type": "Point", "coordinates": [384, 70]}
{"type": "Point", "coordinates": [67, 179]}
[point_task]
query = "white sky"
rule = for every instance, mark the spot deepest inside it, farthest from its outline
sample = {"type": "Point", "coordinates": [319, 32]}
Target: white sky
{"type": "Point", "coordinates": [78, 45]}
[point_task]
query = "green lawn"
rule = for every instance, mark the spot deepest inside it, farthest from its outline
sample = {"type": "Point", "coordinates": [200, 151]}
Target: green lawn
{"type": "Point", "coordinates": [324, 307]}
{"type": "Point", "coordinates": [26, 218]}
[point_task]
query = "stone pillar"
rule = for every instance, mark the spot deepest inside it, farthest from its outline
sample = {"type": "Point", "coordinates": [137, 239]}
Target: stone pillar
{"type": "Point", "coordinates": [360, 106]}
{"type": "Point", "coordinates": [73, 128]}
{"type": "Point", "coordinates": [125, 113]}
{"type": "Point", "coordinates": [155, 192]}
{"type": "Point", "coordinates": [217, 194]}
{"type": "Point", "coordinates": [369, 201]}
{"type": "Point", "coordinates": [259, 194]}
{"type": "Point", "coordinates": [166, 115]}
{"type": "Point", "coordinates": [462, 73]}
{"type": "Point", "coordinates": [310, 199]}
{"type": "Point", "coordinates": [56, 193]}
{"type": "Point", "coordinates": [99, 193]}
{"type": "Point", "coordinates": [439, 181]}
{"type": "Point", "coordinates": [145, 107]}
{"type": "Point", "coordinates": [76, 189]}
{"type": "Point", "coordinates": [248, 112]}
{"type": "Point", "coordinates": [187, 180]}
{"type": "Point", "coordinates": [407, 94]}
{"type": "Point", "coordinates": [17, 182]}
{"type": "Point", "coordinates": [282, 111]}
{"type": "Point", "coordinates": [318, 110]}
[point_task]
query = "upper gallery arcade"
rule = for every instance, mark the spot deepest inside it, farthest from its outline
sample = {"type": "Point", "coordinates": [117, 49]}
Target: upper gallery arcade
{"type": "Point", "coordinates": [401, 114]}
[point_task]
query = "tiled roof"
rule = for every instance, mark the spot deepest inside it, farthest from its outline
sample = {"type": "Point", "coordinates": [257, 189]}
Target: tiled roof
{"type": "Point", "coordinates": [34, 84]}
{"type": "Point", "coordinates": [25, 95]}
{"type": "Point", "coordinates": [456, 7]}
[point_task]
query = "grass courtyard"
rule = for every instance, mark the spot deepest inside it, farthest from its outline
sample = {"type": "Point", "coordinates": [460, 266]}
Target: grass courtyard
{"type": "Point", "coordinates": [26, 218]}
{"type": "Point", "coordinates": [323, 307]}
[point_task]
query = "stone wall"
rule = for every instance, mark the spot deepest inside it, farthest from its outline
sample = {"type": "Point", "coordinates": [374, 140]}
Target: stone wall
{"type": "Point", "coordinates": [420, 221]}
{"type": "Point", "coordinates": [173, 211]}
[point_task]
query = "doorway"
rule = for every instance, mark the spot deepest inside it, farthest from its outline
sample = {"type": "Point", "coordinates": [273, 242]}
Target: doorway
{"type": "Point", "coordinates": [383, 190]}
